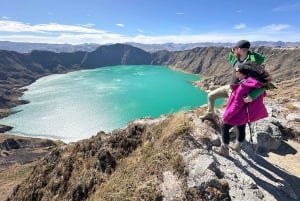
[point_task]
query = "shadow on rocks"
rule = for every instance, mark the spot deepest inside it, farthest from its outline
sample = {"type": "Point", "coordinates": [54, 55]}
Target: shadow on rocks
{"type": "Point", "coordinates": [285, 149]}
{"type": "Point", "coordinates": [284, 181]}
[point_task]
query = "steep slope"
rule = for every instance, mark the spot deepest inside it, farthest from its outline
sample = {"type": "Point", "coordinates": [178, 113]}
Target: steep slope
{"type": "Point", "coordinates": [169, 158]}
{"type": "Point", "coordinates": [212, 63]}
{"type": "Point", "coordinates": [113, 55]}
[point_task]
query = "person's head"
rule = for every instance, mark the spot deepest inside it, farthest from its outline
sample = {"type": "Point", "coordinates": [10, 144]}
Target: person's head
{"type": "Point", "coordinates": [240, 49]}
{"type": "Point", "coordinates": [250, 69]}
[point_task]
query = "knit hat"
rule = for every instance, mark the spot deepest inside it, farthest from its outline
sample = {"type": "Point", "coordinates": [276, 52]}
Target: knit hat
{"type": "Point", "coordinates": [243, 44]}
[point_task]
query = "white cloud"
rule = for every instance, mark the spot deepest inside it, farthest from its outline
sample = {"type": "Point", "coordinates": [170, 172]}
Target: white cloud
{"type": "Point", "coordinates": [276, 27]}
{"type": "Point", "coordinates": [67, 38]}
{"type": "Point", "coordinates": [120, 25]}
{"type": "Point", "coordinates": [140, 30]}
{"type": "Point", "coordinates": [88, 25]}
{"type": "Point", "coordinates": [5, 17]}
{"type": "Point", "coordinates": [14, 26]}
{"type": "Point", "coordinates": [179, 13]}
{"type": "Point", "coordinates": [59, 34]}
{"type": "Point", "coordinates": [240, 26]}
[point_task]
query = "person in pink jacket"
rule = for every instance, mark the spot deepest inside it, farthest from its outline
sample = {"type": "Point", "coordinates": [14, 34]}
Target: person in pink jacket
{"type": "Point", "coordinates": [237, 112]}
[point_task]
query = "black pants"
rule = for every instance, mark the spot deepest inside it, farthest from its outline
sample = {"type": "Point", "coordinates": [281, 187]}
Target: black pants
{"type": "Point", "coordinates": [226, 135]}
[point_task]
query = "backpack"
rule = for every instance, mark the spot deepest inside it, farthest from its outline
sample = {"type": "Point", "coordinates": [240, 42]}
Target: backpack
{"type": "Point", "coordinates": [255, 57]}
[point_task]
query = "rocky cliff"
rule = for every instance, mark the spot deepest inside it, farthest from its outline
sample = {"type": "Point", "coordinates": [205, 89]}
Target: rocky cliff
{"type": "Point", "coordinates": [17, 70]}
{"type": "Point", "coordinates": [168, 158]}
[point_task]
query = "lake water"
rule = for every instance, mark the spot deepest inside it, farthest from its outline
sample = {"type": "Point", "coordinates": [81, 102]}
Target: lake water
{"type": "Point", "coordinates": [79, 104]}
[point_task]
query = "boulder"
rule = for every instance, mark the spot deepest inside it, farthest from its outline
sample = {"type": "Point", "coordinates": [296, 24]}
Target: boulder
{"type": "Point", "coordinates": [4, 128]}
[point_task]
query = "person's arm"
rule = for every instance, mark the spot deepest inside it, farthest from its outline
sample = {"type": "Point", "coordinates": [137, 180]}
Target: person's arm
{"type": "Point", "coordinates": [254, 94]}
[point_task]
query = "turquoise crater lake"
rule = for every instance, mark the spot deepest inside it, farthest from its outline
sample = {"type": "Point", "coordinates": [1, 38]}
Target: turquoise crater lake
{"type": "Point", "coordinates": [79, 104]}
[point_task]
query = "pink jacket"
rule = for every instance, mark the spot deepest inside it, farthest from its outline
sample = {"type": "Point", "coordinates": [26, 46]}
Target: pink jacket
{"type": "Point", "coordinates": [236, 112]}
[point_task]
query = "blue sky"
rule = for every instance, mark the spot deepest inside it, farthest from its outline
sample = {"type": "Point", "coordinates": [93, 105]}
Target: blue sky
{"type": "Point", "coordinates": [148, 21]}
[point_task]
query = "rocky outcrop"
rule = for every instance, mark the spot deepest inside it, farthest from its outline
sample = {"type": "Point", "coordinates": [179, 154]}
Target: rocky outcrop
{"type": "Point", "coordinates": [4, 128]}
{"type": "Point", "coordinates": [21, 150]}
{"type": "Point", "coordinates": [169, 158]}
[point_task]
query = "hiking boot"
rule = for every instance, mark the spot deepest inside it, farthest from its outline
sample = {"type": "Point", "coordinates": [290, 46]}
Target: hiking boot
{"type": "Point", "coordinates": [223, 151]}
{"type": "Point", "coordinates": [236, 147]}
{"type": "Point", "coordinates": [208, 116]}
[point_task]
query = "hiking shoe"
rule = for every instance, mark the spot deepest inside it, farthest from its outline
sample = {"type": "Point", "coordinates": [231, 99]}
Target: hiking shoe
{"type": "Point", "coordinates": [236, 147]}
{"type": "Point", "coordinates": [208, 116]}
{"type": "Point", "coordinates": [223, 151]}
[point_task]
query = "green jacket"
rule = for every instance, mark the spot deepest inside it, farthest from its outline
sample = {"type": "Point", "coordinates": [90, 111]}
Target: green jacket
{"type": "Point", "coordinates": [255, 57]}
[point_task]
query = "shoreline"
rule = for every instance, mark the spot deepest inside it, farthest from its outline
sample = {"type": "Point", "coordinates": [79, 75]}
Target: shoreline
{"type": "Point", "coordinates": [204, 83]}
{"type": "Point", "coordinates": [16, 100]}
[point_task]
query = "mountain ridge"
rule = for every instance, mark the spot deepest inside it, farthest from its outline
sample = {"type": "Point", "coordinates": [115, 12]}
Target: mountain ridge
{"type": "Point", "coordinates": [23, 47]}
{"type": "Point", "coordinates": [18, 70]}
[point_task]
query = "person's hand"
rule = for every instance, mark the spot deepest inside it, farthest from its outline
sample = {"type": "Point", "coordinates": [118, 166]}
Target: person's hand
{"type": "Point", "coordinates": [247, 99]}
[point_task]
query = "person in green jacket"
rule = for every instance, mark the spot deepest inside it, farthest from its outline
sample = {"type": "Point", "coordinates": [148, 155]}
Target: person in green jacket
{"type": "Point", "coordinates": [239, 54]}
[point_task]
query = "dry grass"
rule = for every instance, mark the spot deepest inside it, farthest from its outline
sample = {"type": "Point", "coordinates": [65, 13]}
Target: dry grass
{"type": "Point", "coordinates": [138, 176]}
{"type": "Point", "coordinates": [11, 177]}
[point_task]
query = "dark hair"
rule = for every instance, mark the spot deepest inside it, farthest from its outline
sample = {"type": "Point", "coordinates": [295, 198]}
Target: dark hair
{"type": "Point", "coordinates": [258, 72]}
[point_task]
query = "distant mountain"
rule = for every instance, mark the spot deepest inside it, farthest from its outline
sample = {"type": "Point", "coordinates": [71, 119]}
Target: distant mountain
{"type": "Point", "coordinates": [89, 47]}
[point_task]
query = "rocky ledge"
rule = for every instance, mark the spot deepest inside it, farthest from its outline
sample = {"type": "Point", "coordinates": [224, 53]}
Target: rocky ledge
{"type": "Point", "coordinates": [4, 128]}
{"type": "Point", "coordinates": [170, 158]}
{"type": "Point", "coordinates": [17, 157]}
{"type": "Point", "coordinates": [17, 149]}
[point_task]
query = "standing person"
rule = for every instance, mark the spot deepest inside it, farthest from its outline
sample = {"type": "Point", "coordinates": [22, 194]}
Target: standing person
{"type": "Point", "coordinates": [238, 113]}
{"type": "Point", "coordinates": [239, 54]}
